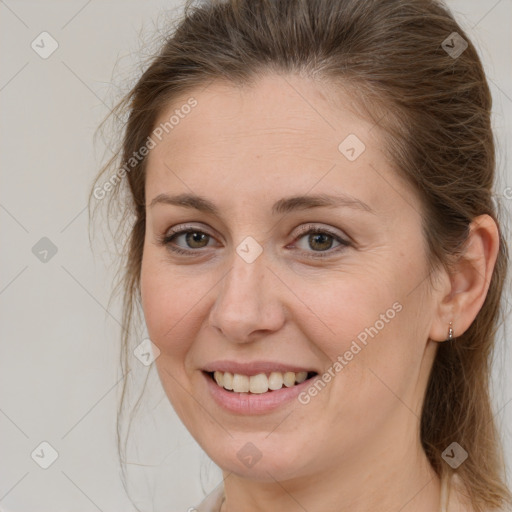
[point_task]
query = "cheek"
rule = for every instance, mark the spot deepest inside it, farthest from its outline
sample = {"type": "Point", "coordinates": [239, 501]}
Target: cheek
{"type": "Point", "coordinates": [367, 322]}
{"type": "Point", "coordinates": [343, 308]}
{"type": "Point", "coordinates": [165, 304]}
{"type": "Point", "coordinates": [170, 313]}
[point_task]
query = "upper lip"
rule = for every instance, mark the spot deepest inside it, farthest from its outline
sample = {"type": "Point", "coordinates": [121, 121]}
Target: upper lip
{"type": "Point", "coordinates": [254, 367]}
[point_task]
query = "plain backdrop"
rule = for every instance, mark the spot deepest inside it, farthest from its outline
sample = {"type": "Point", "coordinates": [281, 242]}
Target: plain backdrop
{"type": "Point", "coordinates": [59, 377]}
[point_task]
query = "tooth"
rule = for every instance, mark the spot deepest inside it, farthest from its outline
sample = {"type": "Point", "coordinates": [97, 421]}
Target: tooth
{"type": "Point", "coordinates": [301, 377]}
{"type": "Point", "coordinates": [218, 378]}
{"type": "Point", "coordinates": [228, 381]}
{"type": "Point", "coordinates": [240, 383]}
{"type": "Point", "coordinates": [289, 379]}
{"type": "Point", "coordinates": [258, 383]}
{"type": "Point", "coordinates": [275, 381]}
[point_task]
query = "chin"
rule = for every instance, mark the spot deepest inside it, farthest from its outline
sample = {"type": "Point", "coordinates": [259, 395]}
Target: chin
{"type": "Point", "coordinates": [252, 456]}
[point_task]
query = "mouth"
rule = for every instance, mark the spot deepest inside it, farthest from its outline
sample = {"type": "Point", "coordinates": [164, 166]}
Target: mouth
{"type": "Point", "coordinates": [260, 383]}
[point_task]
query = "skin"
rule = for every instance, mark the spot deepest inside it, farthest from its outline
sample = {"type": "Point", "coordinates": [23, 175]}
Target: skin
{"type": "Point", "coordinates": [355, 446]}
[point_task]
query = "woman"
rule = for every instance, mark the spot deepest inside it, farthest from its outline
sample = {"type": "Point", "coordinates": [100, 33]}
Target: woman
{"type": "Point", "coordinates": [316, 252]}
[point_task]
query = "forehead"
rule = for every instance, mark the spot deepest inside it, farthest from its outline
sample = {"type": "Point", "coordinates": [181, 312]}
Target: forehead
{"type": "Point", "coordinates": [282, 133]}
{"type": "Point", "coordinates": [275, 109]}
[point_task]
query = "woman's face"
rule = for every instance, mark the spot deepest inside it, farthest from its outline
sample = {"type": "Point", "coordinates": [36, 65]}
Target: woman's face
{"type": "Point", "coordinates": [253, 293]}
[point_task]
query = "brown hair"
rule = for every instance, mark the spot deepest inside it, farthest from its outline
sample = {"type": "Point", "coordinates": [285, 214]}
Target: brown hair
{"type": "Point", "coordinates": [434, 110]}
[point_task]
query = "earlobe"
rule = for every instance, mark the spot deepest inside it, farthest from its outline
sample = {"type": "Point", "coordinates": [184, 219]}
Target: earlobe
{"type": "Point", "coordinates": [469, 281]}
{"type": "Point", "coordinates": [450, 332]}
{"type": "Point", "coordinates": [442, 331]}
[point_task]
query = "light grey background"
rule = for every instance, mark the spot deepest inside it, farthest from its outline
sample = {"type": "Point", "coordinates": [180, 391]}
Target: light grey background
{"type": "Point", "coordinates": [59, 377]}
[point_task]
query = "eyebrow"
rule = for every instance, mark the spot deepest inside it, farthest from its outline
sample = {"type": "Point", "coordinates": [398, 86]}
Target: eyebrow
{"type": "Point", "coordinates": [282, 206]}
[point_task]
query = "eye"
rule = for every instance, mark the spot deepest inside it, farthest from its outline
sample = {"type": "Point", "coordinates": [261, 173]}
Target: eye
{"type": "Point", "coordinates": [191, 240]}
{"type": "Point", "coordinates": [321, 241]}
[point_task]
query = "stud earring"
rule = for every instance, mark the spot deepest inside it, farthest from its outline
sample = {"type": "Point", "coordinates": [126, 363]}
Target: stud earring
{"type": "Point", "coordinates": [450, 333]}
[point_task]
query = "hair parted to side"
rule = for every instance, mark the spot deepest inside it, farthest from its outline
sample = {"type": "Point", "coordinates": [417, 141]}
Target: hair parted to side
{"type": "Point", "coordinates": [434, 111]}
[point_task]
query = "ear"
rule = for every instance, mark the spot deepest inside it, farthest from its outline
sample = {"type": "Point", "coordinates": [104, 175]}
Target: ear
{"type": "Point", "coordinates": [464, 289]}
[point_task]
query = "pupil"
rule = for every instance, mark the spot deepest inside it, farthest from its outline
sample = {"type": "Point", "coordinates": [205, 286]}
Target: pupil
{"type": "Point", "coordinates": [320, 235]}
{"type": "Point", "coordinates": [195, 236]}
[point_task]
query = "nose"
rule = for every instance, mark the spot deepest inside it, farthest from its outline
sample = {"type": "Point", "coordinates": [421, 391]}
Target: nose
{"type": "Point", "coordinates": [248, 305]}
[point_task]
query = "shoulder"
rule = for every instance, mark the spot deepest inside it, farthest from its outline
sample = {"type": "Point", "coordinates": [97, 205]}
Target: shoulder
{"type": "Point", "coordinates": [212, 502]}
{"type": "Point", "coordinates": [458, 500]}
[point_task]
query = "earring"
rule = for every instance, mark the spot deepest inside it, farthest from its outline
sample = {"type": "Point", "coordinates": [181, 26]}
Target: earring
{"type": "Point", "coordinates": [450, 333]}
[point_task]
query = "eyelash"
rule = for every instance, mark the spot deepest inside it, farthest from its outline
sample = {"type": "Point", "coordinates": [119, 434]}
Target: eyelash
{"type": "Point", "coordinates": [166, 240]}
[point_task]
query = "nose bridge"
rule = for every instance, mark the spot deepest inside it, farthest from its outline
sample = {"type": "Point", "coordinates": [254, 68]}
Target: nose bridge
{"type": "Point", "coordinates": [245, 301]}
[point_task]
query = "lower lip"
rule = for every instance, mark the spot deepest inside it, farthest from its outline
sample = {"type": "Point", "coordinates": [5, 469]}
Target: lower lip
{"type": "Point", "coordinates": [254, 403]}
